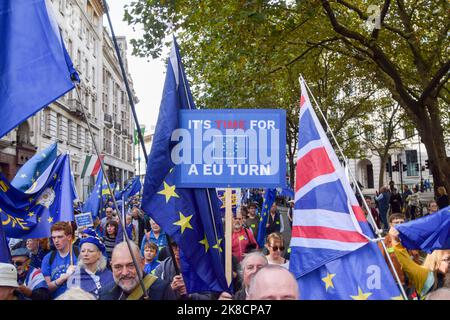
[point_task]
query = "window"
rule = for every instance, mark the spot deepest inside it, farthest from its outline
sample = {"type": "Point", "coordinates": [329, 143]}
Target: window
{"type": "Point", "coordinates": [409, 132]}
{"type": "Point", "coordinates": [79, 133]}
{"type": "Point", "coordinates": [59, 125]}
{"type": "Point", "coordinates": [116, 146]}
{"type": "Point", "coordinates": [107, 140]}
{"type": "Point", "coordinates": [70, 47]}
{"type": "Point", "coordinates": [129, 154]}
{"type": "Point", "coordinates": [93, 75]}
{"type": "Point", "coordinates": [411, 162]}
{"type": "Point", "coordinates": [124, 150]}
{"type": "Point", "coordinates": [79, 60]}
{"type": "Point", "coordinates": [86, 68]}
{"type": "Point", "coordinates": [47, 121]}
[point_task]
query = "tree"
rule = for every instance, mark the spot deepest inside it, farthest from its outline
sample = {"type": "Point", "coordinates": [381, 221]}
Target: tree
{"type": "Point", "coordinates": [407, 52]}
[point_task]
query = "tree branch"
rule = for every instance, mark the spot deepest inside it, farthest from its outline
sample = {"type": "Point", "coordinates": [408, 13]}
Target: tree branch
{"type": "Point", "coordinates": [435, 81]}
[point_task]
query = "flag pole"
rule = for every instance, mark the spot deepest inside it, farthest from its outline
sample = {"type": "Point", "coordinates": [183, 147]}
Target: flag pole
{"type": "Point", "coordinates": [369, 212]}
{"type": "Point", "coordinates": [105, 176]}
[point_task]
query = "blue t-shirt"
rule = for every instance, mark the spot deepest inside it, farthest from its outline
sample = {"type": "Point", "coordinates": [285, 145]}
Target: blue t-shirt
{"type": "Point", "coordinates": [149, 267]}
{"type": "Point", "coordinates": [56, 269]}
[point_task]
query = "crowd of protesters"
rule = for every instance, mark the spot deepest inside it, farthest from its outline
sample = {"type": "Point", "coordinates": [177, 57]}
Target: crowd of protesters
{"type": "Point", "coordinates": [96, 264]}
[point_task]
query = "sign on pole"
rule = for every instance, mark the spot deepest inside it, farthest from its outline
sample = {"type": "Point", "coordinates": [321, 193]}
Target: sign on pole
{"type": "Point", "coordinates": [230, 148]}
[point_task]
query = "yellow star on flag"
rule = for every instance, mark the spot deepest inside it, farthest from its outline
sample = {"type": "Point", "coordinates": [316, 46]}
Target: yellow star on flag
{"type": "Point", "coordinates": [31, 199]}
{"type": "Point", "coordinates": [217, 245]}
{"type": "Point", "coordinates": [361, 295]}
{"type": "Point", "coordinates": [50, 219]}
{"type": "Point", "coordinates": [184, 222]}
{"type": "Point", "coordinates": [168, 191]}
{"type": "Point", "coordinates": [31, 214]}
{"type": "Point", "coordinates": [55, 176]}
{"type": "Point", "coordinates": [39, 219]}
{"type": "Point", "coordinates": [329, 280]}
{"type": "Point", "coordinates": [205, 243]}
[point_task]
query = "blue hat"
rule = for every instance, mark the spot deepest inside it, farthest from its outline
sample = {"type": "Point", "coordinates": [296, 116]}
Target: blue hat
{"type": "Point", "coordinates": [90, 232]}
{"type": "Point", "coordinates": [96, 241]}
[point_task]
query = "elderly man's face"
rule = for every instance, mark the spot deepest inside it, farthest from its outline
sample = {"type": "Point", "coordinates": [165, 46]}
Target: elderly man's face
{"type": "Point", "coordinates": [252, 264]}
{"type": "Point", "coordinates": [124, 271]}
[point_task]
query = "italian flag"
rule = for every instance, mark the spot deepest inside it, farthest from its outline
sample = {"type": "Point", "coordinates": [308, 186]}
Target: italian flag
{"type": "Point", "coordinates": [91, 165]}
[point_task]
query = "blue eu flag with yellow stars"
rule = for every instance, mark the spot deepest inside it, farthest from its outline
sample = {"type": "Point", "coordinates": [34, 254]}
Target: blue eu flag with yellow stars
{"type": "Point", "coordinates": [269, 199]}
{"type": "Point", "coordinates": [95, 201]}
{"type": "Point", "coordinates": [34, 168]}
{"type": "Point", "coordinates": [35, 68]}
{"type": "Point", "coordinates": [31, 215]}
{"type": "Point", "coordinates": [190, 216]}
{"type": "Point", "coordinates": [5, 256]}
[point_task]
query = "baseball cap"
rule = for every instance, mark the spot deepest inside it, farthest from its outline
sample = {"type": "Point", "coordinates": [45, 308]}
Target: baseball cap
{"type": "Point", "coordinates": [8, 275]}
{"type": "Point", "coordinates": [19, 252]}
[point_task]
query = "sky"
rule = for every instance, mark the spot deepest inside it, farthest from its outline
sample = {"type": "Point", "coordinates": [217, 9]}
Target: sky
{"type": "Point", "coordinates": [148, 75]}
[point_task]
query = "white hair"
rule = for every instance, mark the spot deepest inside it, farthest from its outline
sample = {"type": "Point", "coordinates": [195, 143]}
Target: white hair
{"type": "Point", "coordinates": [100, 264]}
{"type": "Point", "coordinates": [76, 293]}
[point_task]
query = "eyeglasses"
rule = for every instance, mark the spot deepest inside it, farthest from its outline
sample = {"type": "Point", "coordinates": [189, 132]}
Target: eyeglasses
{"type": "Point", "coordinates": [18, 263]}
{"type": "Point", "coordinates": [119, 267]}
{"type": "Point", "coordinates": [276, 248]}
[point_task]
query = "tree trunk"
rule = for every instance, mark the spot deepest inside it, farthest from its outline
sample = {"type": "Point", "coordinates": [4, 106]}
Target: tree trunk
{"type": "Point", "coordinates": [383, 160]}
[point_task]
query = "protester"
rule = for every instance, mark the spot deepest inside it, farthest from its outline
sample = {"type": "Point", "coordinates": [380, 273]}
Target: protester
{"type": "Point", "coordinates": [37, 248]}
{"type": "Point", "coordinates": [242, 239]}
{"type": "Point", "coordinates": [251, 263]}
{"type": "Point", "coordinates": [396, 201]}
{"type": "Point", "coordinates": [58, 265]}
{"type": "Point", "coordinates": [244, 213]}
{"type": "Point", "coordinates": [442, 199]}
{"type": "Point", "coordinates": [155, 235]}
{"type": "Point", "coordinates": [427, 277]}
{"type": "Point", "coordinates": [275, 246]}
{"type": "Point", "coordinates": [396, 219]}
{"type": "Point", "coordinates": [383, 200]}
{"type": "Point", "coordinates": [373, 212]}
{"type": "Point", "coordinates": [252, 220]}
{"type": "Point", "coordinates": [76, 293]}
{"type": "Point", "coordinates": [273, 220]}
{"type": "Point", "coordinates": [405, 194]}
{"type": "Point", "coordinates": [413, 203]}
{"type": "Point", "coordinates": [8, 283]}
{"type": "Point", "coordinates": [126, 285]}
{"type": "Point", "coordinates": [91, 274]}
{"type": "Point", "coordinates": [273, 282]}
{"type": "Point", "coordinates": [150, 257]}
{"type": "Point", "coordinates": [290, 214]}
{"type": "Point", "coordinates": [139, 224]}
{"type": "Point", "coordinates": [109, 239]}
{"type": "Point", "coordinates": [166, 271]}
{"type": "Point", "coordinates": [109, 217]}
{"type": "Point", "coordinates": [432, 207]}
{"type": "Point", "coordinates": [130, 228]}
{"type": "Point", "coordinates": [31, 281]}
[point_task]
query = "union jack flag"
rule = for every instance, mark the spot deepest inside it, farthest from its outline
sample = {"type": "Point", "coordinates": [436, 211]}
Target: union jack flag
{"type": "Point", "coordinates": [327, 216]}
{"type": "Point", "coordinates": [331, 252]}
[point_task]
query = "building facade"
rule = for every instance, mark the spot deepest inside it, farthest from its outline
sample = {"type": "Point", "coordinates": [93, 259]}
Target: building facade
{"type": "Point", "coordinates": [104, 100]}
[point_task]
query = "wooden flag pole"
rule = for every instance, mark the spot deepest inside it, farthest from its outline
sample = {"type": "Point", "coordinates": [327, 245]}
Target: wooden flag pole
{"type": "Point", "coordinates": [228, 228]}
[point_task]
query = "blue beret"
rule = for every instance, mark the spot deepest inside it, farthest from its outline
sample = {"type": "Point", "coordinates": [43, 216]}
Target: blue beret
{"type": "Point", "coordinates": [90, 232]}
{"type": "Point", "coordinates": [96, 241]}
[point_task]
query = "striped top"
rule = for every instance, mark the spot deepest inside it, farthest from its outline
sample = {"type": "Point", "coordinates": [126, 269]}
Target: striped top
{"type": "Point", "coordinates": [109, 244]}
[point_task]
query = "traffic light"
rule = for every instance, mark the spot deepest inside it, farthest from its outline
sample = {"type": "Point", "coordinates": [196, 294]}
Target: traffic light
{"type": "Point", "coordinates": [427, 164]}
{"type": "Point", "coordinates": [405, 167]}
{"type": "Point", "coordinates": [395, 166]}
{"type": "Point", "coordinates": [417, 167]}
{"type": "Point", "coordinates": [423, 168]}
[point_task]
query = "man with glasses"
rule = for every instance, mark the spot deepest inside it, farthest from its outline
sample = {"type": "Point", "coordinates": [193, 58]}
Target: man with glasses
{"type": "Point", "coordinates": [432, 207]}
{"type": "Point", "coordinates": [31, 280]}
{"type": "Point", "coordinates": [126, 284]}
{"type": "Point", "coordinates": [59, 264]}
{"type": "Point", "coordinates": [109, 217]}
{"type": "Point", "coordinates": [249, 266]}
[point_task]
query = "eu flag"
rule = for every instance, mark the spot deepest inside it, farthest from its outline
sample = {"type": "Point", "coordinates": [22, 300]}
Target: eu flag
{"type": "Point", "coordinates": [35, 68]}
{"type": "Point", "coordinates": [133, 187]}
{"type": "Point", "coordinates": [31, 215]}
{"type": "Point", "coordinates": [428, 233]}
{"type": "Point", "coordinates": [5, 256]}
{"type": "Point", "coordinates": [190, 216]}
{"type": "Point", "coordinates": [269, 199]}
{"type": "Point", "coordinates": [34, 167]}
{"type": "Point", "coordinates": [95, 201]}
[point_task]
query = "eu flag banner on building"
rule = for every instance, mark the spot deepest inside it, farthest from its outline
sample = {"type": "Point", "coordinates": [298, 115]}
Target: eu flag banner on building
{"type": "Point", "coordinates": [331, 255]}
{"type": "Point", "coordinates": [230, 148]}
{"type": "Point", "coordinates": [428, 233]}
{"type": "Point", "coordinates": [190, 216]}
{"type": "Point", "coordinates": [32, 215]}
{"type": "Point", "coordinates": [35, 69]}
{"type": "Point", "coordinates": [269, 199]}
{"type": "Point", "coordinates": [33, 168]}
{"type": "Point", "coordinates": [95, 201]}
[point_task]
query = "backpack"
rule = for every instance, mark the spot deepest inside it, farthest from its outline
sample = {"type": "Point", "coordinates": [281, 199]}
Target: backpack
{"type": "Point", "coordinates": [76, 252]}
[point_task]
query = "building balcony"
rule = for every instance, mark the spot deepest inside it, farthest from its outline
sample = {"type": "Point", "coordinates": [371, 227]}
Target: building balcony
{"type": "Point", "coordinates": [75, 107]}
{"type": "Point", "coordinates": [117, 127]}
